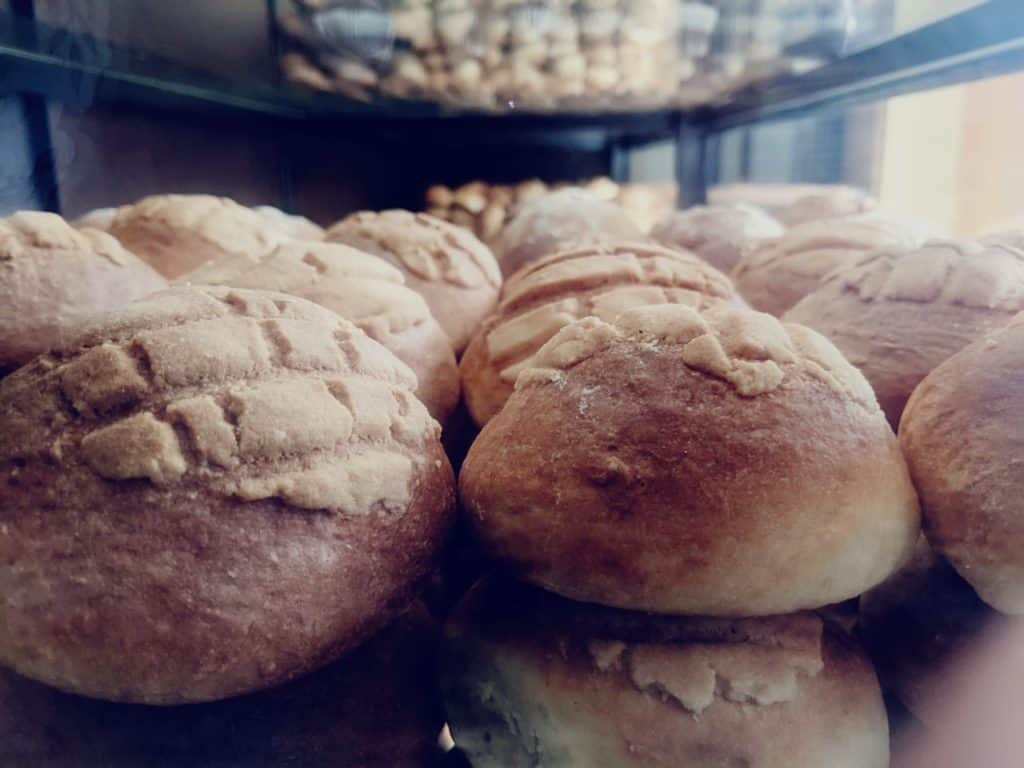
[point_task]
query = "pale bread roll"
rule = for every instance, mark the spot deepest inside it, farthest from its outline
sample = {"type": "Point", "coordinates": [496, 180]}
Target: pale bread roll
{"type": "Point", "coordinates": [719, 234]}
{"type": "Point", "coordinates": [558, 220]}
{"type": "Point", "coordinates": [52, 276]}
{"type": "Point", "coordinates": [897, 315]}
{"type": "Point", "coordinates": [363, 289]}
{"type": "Point", "coordinates": [177, 233]}
{"type": "Point", "coordinates": [777, 274]}
{"type": "Point", "coordinates": [532, 679]}
{"type": "Point", "coordinates": [456, 273]}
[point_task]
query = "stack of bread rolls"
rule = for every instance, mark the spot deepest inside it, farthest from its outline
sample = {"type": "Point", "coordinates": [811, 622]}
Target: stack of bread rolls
{"type": "Point", "coordinates": [227, 529]}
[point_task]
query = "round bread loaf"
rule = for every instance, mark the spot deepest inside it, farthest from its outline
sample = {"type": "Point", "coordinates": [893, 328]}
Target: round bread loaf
{"type": "Point", "coordinates": [290, 224]}
{"type": "Point", "coordinates": [719, 234]}
{"type": "Point", "coordinates": [209, 492]}
{"type": "Point", "coordinates": [53, 275]}
{"type": "Point", "coordinates": [177, 233]}
{"type": "Point", "coordinates": [363, 289]}
{"type": "Point", "coordinates": [777, 274]}
{"type": "Point", "coordinates": [100, 218]}
{"type": "Point", "coordinates": [795, 204]}
{"type": "Point", "coordinates": [961, 435]}
{"type": "Point", "coordinates": [557, 220]}
{"type": "Point", "coordinates": [714, 463]}
{"type": "Point", "coordinates": [600, 280]}
{"type": "Point", "coordinates": [533, 679]}
{"type": "Point", "coordinates": [446, 264]}
{"type": "Point", "coordinates": [919, 625]}
{"type": "Point", "coordinates": [377, 707]}
{"type": "Point", "coordinates": [897, 315]}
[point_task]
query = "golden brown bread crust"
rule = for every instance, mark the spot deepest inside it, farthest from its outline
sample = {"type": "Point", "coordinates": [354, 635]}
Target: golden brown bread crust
{"type": "Point", "coordinates": [569, 217]}
{"type": "Point", "coordinates": [598, 280]}
{"type": "Point", "coordinates": [533, 679]}
{"type": "Point", "coordinates": [363, 289]}
{"type": "Point", "coordinates": [919, 626]}
{"type": "Point", "coordinates": [456, 273]}
{"type": "Point", "coordinates": [377, 707]}
{"type": "Point", "coordinates": [717, 464]}
{"type": "Point", "coordinates": [52, 276]}
{"type": "Point", "coordinates": [209, 492]}
{"type": "Point", "coordinates": [960, 433]}
{"type": "Point", "coordinates": [719, 234]}
{"type": "Point", "coordinates": [177, 233]}
{"type": "Point", "coordinates": [897, 315]}
{"type": "Point", "coordinates": [776, 275]}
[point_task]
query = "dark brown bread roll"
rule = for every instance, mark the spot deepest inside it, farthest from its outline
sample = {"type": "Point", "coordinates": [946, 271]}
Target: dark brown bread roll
{"type": "Point", "coordinates": [52, 276]}
{"type": "Point", "coordinates": [377, 707]}
{"type": "Point", "coordinates": [716, 463]}
{"type": "Point", "coordinates": [209, 492]}
{"type": "Point", "coordinates": [533, 679]}
{"type": "Point", "coordinates": [920, 625]}
{"type": "Point", "coordinates": [446, 264]}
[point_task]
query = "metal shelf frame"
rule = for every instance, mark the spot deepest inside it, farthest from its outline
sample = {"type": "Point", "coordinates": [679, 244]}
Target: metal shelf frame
{"type": "Point", "coordinates": [44, 63]}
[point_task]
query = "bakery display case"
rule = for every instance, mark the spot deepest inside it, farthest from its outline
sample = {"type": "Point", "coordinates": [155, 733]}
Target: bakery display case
{"type": "Point", "coordinates": [498, 383]}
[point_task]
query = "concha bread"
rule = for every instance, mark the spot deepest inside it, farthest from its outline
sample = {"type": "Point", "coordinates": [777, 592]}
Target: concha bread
{"type": "Point", "coordinates": [795, 204]}
{"type": "Point", "coordinates": [719, 234]}
{"type": "Point", "coordinates": [363, 289]}
{"type": "Point", "coordinates": [920, 625]}
{"type": "Point", "coordinates": [177, 233]}
{"type": "Point", "coordinates": [446, 264]}
{"type": "Point", "coordinates": [209, 492]}
{"type": "Point", "coordinates": [377, 707]}
{"type": "Point", "coordinates": [715, 463]}
{"type": "Point", "coordinates": [897, 315]}
{"type": "Point", "coordinates": [100, 218]}
{"type": "Point", "coordinates": [290, 224]}
{"type": "Point", "coordinates": [533, 679]}
{"type": "Point", "coordinates": [601, 281]}
{"type": "Point", "coordinates": [961, 435]}
{"type": "Point", "coordinates": [553, 222]}
{"type": "Point", "coordinates": [53, 275]}
{"type": "Point", "coordinates": [776, 275]}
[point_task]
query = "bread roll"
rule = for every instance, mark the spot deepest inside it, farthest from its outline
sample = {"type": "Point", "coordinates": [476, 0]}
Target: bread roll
{"type": "Point", "coordinates": [795, 204]}
{"type": "Point", "coordinates": [602, 281]}
{"type": "Point", "coordinates": [100, 218]}
{"type": "Point", "coordinates": [177, 233]}
{"type": "Point", "coordinates": [363, 289]}
{"type": "Point", "coordinates": [717, 464]}
{"type": "Point", "coordinates": [557, 220]}
{"type": "Point", "coordinates": [447, 265]}
{"type": "Point", "coordinates": [533, 679]}
{"type": "Point", "coordinates": [719, 234]}
{"type": "Point", "coordinates": [52, 276]}
{"type": "Point", "coordinates": [377, 707]}
{"type": "Point", "coordinates": [291, 225]}
{"type": "Point", "coordinates": [919, 626]}
{"type": "Point", "coordinates": [897, 315]}
{"type": "Point", "coordinates": [776, 275]}
{"type": "Point", "coordinates": [209, 492]}
{"type": "Point", "coordinates": [961, 436]}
